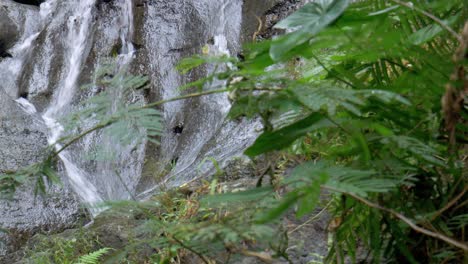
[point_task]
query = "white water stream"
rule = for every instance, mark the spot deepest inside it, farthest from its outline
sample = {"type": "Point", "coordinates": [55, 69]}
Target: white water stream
{"type": "Point", "coordinates": [75, 37]}
{"type": "Point", "coordinates": [79, 25]}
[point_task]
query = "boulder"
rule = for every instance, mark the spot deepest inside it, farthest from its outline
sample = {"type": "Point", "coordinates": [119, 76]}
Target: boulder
{"type": "Point", "coordinates": [22, 142]}
{"type": "Point", "coordinates": [8, 33]}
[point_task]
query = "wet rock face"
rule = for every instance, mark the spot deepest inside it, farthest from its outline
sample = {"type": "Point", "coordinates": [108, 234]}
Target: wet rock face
{"type": "Point", "coordinates": [253, 10]}
{"type": "Point", "coordinates": [22, 137]}
{"type": "Point", "coordinates": [276, 13]}
{"type": "Point", "coordinates": [22, 142]}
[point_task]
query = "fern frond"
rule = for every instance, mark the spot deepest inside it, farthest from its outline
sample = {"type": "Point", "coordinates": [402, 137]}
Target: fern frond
{"type": "Point", "coordinates": [93, 257]}
{"type": "Point", "coordinates": [331, 98]}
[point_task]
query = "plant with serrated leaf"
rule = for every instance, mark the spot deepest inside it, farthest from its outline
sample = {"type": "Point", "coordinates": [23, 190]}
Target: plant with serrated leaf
{"type": "Point", "coordinates": [366, 77]}
{"type": "Point", "coordinates": [373, 72]}
{"type": "Point", "coordinates": [93, 257]}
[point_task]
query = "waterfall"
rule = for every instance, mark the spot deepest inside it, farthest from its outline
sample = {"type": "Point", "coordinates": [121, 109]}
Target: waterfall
{"type": "Point", "coordinates": [52, 73]}
{"type": "Point", "coordinates": [75, 37]}
{"type": "Point", "coordinates": [79, 25]}
{"type": "Point", "coordinates": [12, 70]}
{"type": "Point", "coordinates": [126, 32]}
{"type": "Point", "coordinates": [222, 19]}
{"type": "Point", "coordinates": [120, 173]}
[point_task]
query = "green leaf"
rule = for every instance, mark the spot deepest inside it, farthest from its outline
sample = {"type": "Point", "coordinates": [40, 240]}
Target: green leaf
{"type": "Point", "coordinates": [188, 64]}
{"type": "Point", "coordinates": [93, 258]}
{"type": "Point", "coordinates": [282, 138]}
{"type": "Point", "coordinates": [320, 12]}
{"type": "Point", "coordinates": [329, 98]}
{"type": "Point", "coordinates": [313, 17]}
{"type": "Point", "coordinates": [244, 196]}
{"type": "Point", "coordinates": [308, 203]}
{"type": "Point", "coordinates": [279, 210]}
{"type": "Point", "coordinates": [384, 11]}
{"type": "Point", "coordinates": [428, 33]}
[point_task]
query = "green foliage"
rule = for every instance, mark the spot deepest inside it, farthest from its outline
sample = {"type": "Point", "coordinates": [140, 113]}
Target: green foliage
{"type": "Point", "coordinates": [368, 78]}
{"type": "Point", "coordinates": [119, 107]}
{"type": "Point", "coordinates": [93, 257]}
{"type": "Point", "coordinates": [283, 137]}
{"type": "Point", "coordinates": [310, 20]}
{"type": "Point", "coordinates": [64, 250]}
{"type": "Point", "coordinates": [353, 92]}
{"type": "Point", "coordinates": [40, 172]}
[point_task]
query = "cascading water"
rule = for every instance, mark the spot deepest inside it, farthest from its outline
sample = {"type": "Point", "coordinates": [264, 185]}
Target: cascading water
{"type": "Point", "coordinates": [208, 135]}
{"type": "Point", "coordinates": [58, 50]}
{"type": "Point", "coordinates": [119, 174]}
{"type": "Point", "coordinates": [78, 36]}
{"type": "Point", "coordinates": [78, 32]}
{"type": "Point", "coordinates": [79, 25]}
{"type": "Point", "coordinates": [15, 65]}
{"type": "Point", "coordinates": [126, 32]}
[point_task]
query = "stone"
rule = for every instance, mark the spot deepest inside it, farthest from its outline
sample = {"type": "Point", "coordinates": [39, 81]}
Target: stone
{"type": "Point", "coordinates": [8, 32]}
{"type": "Point", "coordinates": [22, 143]}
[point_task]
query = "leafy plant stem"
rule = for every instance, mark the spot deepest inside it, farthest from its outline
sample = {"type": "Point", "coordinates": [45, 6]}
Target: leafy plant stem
{"type": "Point", "coordinates": [403, 218]}
{"type": "Point", "coordinates": [328, 70]}
{"type": "Point", "coordinates": [431, 16]}
{"type": "Point", "coordinates": [312, 218]}
{"type": "Point", "coordinates": [191, 250]}
{"type": "Point", "coordinates": [187, 96]}
{"type": "Point", "coordinates": [78, 137]}
{"type": "Point", "coordinates": [450, 204]}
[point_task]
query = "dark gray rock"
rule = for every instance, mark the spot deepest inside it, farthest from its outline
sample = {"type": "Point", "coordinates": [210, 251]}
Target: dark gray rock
{"type": "Point", "coordinates": [30, 2]}
{"type": "Point", "coordinates": [253, 11]}
{"type": "Point", "coordinates": [8, 33]}
{"type": "Point", "coordinates": [276, 13]}
{"type": "Point", "coordinates": [22, 142]}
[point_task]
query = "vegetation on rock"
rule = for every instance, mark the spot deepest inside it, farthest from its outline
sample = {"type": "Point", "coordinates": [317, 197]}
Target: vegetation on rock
{"type": "Point", "coordinates": [367, 100]}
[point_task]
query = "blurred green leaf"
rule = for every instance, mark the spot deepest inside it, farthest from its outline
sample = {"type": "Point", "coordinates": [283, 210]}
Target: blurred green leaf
{"type": "Point", "coordinates": [429, 32]}
{"type": "Point", "coordinates": [283, 137]}
{"type": "Point", "coordinates": [311, 19]}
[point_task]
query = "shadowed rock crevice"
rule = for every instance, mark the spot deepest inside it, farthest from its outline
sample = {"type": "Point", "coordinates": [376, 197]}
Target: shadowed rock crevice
{"type": "Point", "coordinates": [30, 2]}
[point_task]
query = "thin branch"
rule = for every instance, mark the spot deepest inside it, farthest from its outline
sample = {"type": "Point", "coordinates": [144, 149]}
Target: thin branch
{"type": "Point", "coordinates": [411, 6]}
{"type": "Point", "coordinates": [107, 123]}
{"type": "Point", "coordinates": [449, 240]}
{"type": "Point", "coordinates": [125, 186]}
{"type": "Point", "coordinates": [183, 97]}
{"type": "Point", "coordinates": [315, 217]}
{"type": "Point", "coordinates": [461, 205]}
{"type": "Point", "coordinates": [260, 255]}
{"type": "Point", "coordinates": [329, 72]}
{"type": "Point", "coordinates": [450, 204]}
{"type": "Point", "coordinates": [259, 28]}
{"type": "Point", "coordinates": [199, 94]}
{"type": "Point", "coordinates": [78, 137]}
{"type": "Point", "coordinates": [203, 258]}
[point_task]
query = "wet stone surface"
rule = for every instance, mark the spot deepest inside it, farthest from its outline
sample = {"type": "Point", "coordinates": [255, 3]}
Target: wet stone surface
{"type": "Point", "coordinates": [22, 143]}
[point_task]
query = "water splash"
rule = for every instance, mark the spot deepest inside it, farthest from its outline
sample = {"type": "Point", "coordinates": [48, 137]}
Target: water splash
{"type": "Point", "coordinates": [47, 8]}
{"type": "Point", "coordinates": [26, 106]}
{"type": "Point", "coordinates": [126, 32]}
